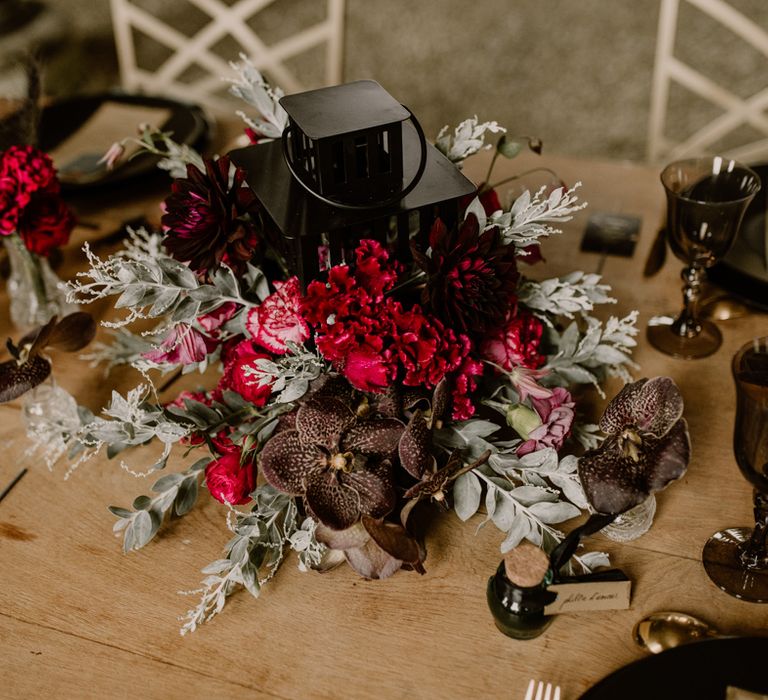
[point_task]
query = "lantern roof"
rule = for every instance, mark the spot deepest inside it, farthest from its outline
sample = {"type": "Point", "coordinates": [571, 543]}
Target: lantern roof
{"type": "Point", "coordinates": [341, 109]}
{"type": "Point", "coordinates": [297, 213]}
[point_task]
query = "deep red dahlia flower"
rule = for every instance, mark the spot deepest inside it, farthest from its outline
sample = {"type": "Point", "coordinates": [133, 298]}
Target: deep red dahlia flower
{"type": "Point", "coordinates": [471, 276]}
{"type": "Point", "coordinates": [207, 218]}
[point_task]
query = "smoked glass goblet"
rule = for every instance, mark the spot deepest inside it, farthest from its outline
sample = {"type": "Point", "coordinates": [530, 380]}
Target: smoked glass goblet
{"type": "Point", "coordinates": [736, 559]}
{"type": "Point", "coordinates": [706, 201]}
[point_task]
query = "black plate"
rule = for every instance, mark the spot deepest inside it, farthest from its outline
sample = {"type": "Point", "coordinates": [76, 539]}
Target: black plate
{"type": "Point", "coordinates": [744, 271]}
{"type": "Point", "coordinates": [697, 671]}
{"type": "Point", "coordinates": [61, 119]}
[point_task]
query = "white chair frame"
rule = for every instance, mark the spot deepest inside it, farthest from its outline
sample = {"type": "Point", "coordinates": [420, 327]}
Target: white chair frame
{"type": "Point", "coordinates": [736, 111]}
{"type": "Point", "coordinates": [225, 20]}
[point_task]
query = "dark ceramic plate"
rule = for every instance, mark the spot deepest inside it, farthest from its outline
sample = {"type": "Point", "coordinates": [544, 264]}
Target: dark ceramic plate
{"type": "Point", "coordinates": [744, 271]}
{"type": "Point", "coordinates": [700, 671]}
{"type": "Point", "coordinates": [59, 120]}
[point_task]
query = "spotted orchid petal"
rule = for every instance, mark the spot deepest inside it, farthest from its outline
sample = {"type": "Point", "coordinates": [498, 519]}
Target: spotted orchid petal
{"type": "Point", "coordinates": [322, 420]}
{"type": "Point", "coordinates": [649, 405]}
{"type": "Point", "coordinates": [286, 461]}
{"type": "Point", "coordinates": [374, 490]}
{"type": "Point", "coordinates": [330, 501]}
{"type": "Point", "coordinates": [378, 437]}
{"type": "Point", "coordinates": [18, 378]}
{"type": "Point", "coordinates": [615, 481]}
{"type": "Point", "coordinates": [414, 447]}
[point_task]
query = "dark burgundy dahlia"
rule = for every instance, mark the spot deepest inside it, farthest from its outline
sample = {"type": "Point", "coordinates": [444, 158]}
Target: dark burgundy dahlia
{"type": "Point", "coordinates": [337, 461]}
{"type": "Point", "coordinates": [207, 218]}
{"type": "Point", "coordinates": [472, 275]}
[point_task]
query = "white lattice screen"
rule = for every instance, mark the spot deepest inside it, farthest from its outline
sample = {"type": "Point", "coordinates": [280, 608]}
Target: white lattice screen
{"type": "Point", "coordinates": [736, 111]}
{"type": "Point", "coordinates": [197, 51]}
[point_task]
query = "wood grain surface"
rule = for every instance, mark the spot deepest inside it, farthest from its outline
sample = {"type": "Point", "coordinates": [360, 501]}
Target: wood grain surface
{"type": "Point", "coordinates": [78, 619]}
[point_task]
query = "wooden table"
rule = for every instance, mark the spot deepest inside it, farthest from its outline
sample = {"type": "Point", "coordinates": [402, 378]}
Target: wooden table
{"type": "Point", "coordinates": [78, 619]}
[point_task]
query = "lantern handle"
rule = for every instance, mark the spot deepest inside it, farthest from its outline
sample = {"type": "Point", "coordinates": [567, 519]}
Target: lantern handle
{"type": "Point", "coordinates": [394, 199]}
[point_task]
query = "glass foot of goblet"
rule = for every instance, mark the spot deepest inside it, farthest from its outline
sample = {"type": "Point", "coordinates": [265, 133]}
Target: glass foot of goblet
{"type": "Point", "coordinates": [632, 524]}
{"type": "Point", "coordinates": [662, 334]}
{"type": "Point", "coordinates": [723, 564]}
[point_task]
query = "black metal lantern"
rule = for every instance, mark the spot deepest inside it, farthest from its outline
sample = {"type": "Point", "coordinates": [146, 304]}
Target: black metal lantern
{"type": "Point", "coordinates": [353, 163]}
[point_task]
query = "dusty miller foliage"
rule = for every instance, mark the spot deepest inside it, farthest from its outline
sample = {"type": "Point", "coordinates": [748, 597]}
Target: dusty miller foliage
{"type": "Point", "coordinates": [467, 139]}
{"type": "Point", "coordinates": [251, 557]}
{"type": "Point", "coordinates": [590, 356]}
{"type": "Point", "coordinates": [289, 375]}
{"type": "Point", "coordinates": [151, 284]}
{"type": "Point", "coordinates": [531, 217]}
{"type": "Point", "coordinates": [574, 294]}
{"type": "Point", "coordinates": [251, 87]}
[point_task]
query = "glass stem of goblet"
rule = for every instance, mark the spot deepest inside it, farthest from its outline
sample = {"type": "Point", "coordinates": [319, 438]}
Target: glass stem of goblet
{"type": "Point", "coordinates": [754, 554]}
{"type": "Point", "coordinates": [687, 324]}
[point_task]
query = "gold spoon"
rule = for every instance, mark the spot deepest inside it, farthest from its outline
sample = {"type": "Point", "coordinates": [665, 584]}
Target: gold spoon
{"type": "Point", "coordinates": [664, 630]}
{"type": "Point", "coordinates": [723, 308]}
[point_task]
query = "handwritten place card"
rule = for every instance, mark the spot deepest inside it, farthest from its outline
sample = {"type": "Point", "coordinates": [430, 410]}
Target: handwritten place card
{"type": "Point", "coordinates": [592, 595]}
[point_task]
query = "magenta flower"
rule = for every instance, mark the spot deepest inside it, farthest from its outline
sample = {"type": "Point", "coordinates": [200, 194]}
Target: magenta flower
{"type": "Point", "coordinates": [230, 479]}
{"type": "Point", "coordinates": [183, 345]}
{"type": "Point", "coordinates": [213, 321]}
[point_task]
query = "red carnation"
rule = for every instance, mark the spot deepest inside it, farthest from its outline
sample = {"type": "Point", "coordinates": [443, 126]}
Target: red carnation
{"type": "Point", "coordinates": [228, 480]}
{"type": "Point", "coordinates": [29, 170]}
{"type": "Point", "coordinates": [46, 223]}
{"type": "Point", "coordinates": [515, 343]}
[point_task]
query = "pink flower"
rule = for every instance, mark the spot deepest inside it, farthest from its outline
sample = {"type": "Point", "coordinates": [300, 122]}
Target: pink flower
{"type": "Point", "coordinates": [278, 320]}
{"type": "Point", "coordinates": [524, 380]}
{"type": "Point", "coordinates": [515, 342]}
{"type": "Point", "coordinates": [228, 480]}
{"type": "Point", "coordinates": [556, 413]}
{"type": "Point", "coordinates": [213, 321]}
{"type": "Point", "coordinates": [183, 345]}
{"type": "Point", "coordinates": [237, 378]}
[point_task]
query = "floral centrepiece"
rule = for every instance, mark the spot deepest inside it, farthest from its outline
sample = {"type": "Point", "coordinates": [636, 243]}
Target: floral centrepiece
{"type": "Point", "coordinates": [388, 384]}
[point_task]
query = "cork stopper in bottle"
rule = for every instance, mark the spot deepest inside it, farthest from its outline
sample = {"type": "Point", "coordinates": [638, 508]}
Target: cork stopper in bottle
{"type": "Point", "coordinates": [526, 565]}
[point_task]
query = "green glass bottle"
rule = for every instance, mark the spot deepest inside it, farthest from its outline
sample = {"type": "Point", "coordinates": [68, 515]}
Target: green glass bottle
{"type": "Point", "coordinates": [517, 593]}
